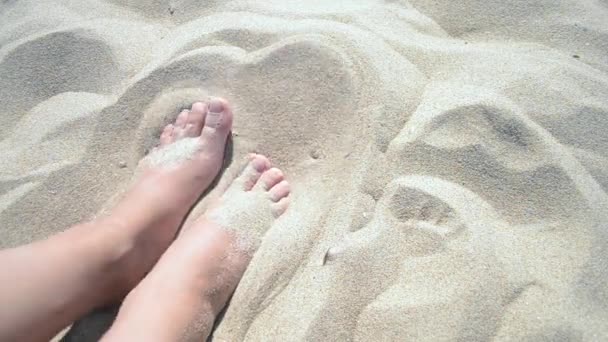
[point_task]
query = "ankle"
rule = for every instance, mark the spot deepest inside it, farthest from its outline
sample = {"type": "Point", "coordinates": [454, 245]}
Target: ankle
{"type": "Point", "coordinates": [122, 258]}
{"type": "Point", "coordinates": [139, 237]}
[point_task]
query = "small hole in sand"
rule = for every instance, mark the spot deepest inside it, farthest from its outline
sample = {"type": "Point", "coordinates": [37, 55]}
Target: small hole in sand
{"type": "Point", "coordinates": [315, 154]}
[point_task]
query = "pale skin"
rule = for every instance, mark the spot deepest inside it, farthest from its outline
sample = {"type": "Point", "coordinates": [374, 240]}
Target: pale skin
{"type": "Point", "coordinates": [134, 252]}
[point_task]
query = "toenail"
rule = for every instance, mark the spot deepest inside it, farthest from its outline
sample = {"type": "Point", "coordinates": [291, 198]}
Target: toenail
{"type": "Point", "coordinates": [214, 119]}
{"type": "Point", "coordinates": [216, 105]}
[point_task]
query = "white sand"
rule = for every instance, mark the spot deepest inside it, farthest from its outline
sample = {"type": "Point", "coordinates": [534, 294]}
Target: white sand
{"type": "Point", "coordinates": [454, 154]}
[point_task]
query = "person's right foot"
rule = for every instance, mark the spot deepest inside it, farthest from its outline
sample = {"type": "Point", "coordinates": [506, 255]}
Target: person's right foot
{"type": "Point", "coordinates": [180, 298]}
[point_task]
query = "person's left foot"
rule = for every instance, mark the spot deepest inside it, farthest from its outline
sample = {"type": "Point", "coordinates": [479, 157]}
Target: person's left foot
{"type": "Point", "coordinates": [169, 182]}
{"type": "Point", "coordinates": [191, 283]}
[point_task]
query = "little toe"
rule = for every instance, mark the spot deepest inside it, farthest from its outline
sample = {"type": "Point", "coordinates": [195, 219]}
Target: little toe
{"type": "Point", "coordinates": [252, 172]}
{"type": "Point", "coordinates": [217, 125]}
{"type": "Point", "coordinates": [269, 179]}
{"type": "Point", "coordinates": [281, 206]}
{"type": "Point", "coordinates": [166, 137]}
{"type": "Point", "coordinates": [279, 191]}
{"type": "Point", "coordinates": [196, 119]}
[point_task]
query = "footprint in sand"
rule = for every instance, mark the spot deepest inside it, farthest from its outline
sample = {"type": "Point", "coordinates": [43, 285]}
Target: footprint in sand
{"type": "Point", "coordinates": [408, 222]}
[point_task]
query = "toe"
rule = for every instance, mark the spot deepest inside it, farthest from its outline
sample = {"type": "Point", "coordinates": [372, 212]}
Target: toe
{"type": "Point", "coordinates": [279, 191]}
{"type": "Point", "coordinates": [196, 119]}
{"type": "Point", "coordinates": [269, 179]}
{"type": "Point", "coordinates": [166, 137]}
{"type": "Point", "coordinates": [254, 169]}
{"type": "Point", "coordinates": [182, 119]}
{"type": "Point", "coordinates": [179, 128]}
{"type": "Point", "coordinates": [217, 125]}
{"type": "Point", "coordinates": [281, 206]}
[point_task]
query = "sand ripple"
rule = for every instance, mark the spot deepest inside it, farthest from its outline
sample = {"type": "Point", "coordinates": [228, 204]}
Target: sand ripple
{"type": "Point", "coordinates": [456, 169]}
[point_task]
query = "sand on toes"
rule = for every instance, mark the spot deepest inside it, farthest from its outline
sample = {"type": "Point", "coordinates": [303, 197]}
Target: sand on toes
{"type": "Point", "coordinates": [248, 207]}
{"type": "Point", "coordinates": [189, 156]}
{"type": "Point", "coordinates": [194, 279]}
{"type": "Point", "coordinates": [191, 150]}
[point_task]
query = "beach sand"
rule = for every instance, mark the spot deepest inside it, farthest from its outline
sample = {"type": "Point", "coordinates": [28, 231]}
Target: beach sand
{"type": "Point", "coordinates": [449, 159]}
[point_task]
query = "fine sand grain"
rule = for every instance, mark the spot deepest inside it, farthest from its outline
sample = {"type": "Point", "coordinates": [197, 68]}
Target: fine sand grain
{"type": "Point", "coordinates": [449, 159]}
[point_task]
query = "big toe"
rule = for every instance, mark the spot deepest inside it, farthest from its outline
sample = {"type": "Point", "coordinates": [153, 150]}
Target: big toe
{"type": "Point", "coordinates": [217, 125]}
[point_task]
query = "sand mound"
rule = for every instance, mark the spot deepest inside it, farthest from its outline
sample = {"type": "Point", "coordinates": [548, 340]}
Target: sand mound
{"type": "Point", "coordinates": [449, 160]}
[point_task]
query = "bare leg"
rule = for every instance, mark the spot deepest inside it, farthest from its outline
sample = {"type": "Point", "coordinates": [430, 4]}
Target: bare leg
{"type": "Point", "coordinates": [44, 286]}
{"type": "Point", "coordinates": [194, 279]}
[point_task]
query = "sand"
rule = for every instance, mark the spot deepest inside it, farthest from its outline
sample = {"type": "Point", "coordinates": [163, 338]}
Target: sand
{"type": "Point", "coordinates": [452, 156]}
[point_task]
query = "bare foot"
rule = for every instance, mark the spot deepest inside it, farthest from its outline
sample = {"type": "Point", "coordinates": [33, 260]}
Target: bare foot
{"type": "Point", "coordinates": [170, 181]}
{"type": "Point", "coordinates": [180, 298]}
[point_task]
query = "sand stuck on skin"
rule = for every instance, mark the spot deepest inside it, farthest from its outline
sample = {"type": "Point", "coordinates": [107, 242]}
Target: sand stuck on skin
{"type": "Point", "coordinates": [452, 156]}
